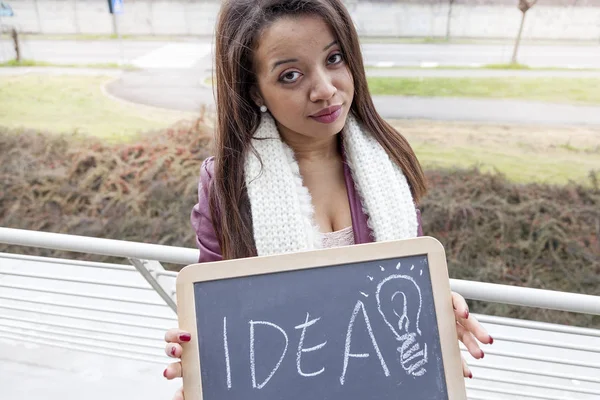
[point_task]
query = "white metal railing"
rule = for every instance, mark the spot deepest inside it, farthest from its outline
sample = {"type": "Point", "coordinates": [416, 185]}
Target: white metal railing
{"type": "Point", "coordinates": [107, 247]}
{"type": "Point", "coordinates": [560, 345]}
{"type": "Point", "coordinates": [489, 292]}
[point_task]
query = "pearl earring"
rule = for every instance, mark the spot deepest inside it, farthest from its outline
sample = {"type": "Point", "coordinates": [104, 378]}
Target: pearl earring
{"type": "Point", "coordinates": [263, 108]}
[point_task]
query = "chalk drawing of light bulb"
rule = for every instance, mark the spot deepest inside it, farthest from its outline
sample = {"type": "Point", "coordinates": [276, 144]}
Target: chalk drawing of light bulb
{"type": "Point", "coordinates": [399, 302]}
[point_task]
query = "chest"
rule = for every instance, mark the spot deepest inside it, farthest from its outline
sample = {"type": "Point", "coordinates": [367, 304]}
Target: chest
{"type": "Point", "coordinates": [327, 187]}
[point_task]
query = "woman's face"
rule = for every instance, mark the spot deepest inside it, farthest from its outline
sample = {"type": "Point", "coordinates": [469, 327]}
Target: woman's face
{"type": "Point", "coordinates": [303, 78]}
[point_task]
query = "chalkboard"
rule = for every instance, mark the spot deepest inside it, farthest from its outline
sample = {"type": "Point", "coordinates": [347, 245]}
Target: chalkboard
{"type": "Point", "coordinates": [362, 322]}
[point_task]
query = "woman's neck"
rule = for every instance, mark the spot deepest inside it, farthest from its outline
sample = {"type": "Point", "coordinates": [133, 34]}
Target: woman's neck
{"type": "Point", "coordinates": [311, 150]}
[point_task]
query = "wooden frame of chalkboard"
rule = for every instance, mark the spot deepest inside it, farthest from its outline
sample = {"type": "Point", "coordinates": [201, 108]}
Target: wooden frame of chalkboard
{"type": "Point", "coordinates": [238, 287]}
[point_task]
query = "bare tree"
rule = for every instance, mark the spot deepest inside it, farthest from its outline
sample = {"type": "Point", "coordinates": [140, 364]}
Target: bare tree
{"type": "Point", "coordinates": [524, 6]}
{"type": "Point", "coordinates": [450, 5]}
{"type": "Point", "coordinates": [15, 38]}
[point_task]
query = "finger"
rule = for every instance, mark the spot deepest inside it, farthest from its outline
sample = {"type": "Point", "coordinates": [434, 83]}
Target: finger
{"type": "Point", "coordinates": [179, 394]}
{"type": "Point", "coordinates": [173, 350]}
{"type": "Point", "coordinates": [466, 370]}
{"type": "Point", "coordinates": [177, 336]}
{"type": "Point", "coordinates": [461, 309]}
{"type": "Point", "coordinates": [472, 325]}
{"type": "Point", "coordinates": [469, 341]}
{"type": "Point", "coordinates": [173, 371]}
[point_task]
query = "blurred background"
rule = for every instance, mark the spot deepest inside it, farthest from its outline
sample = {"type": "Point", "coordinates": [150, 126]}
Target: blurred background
{"type": "Point", "coordinates": [106, 112]}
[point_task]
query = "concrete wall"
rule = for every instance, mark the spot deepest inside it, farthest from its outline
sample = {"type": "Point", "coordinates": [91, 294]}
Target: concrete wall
{"type": "Point", "coordinates": [181, 17]}
{"type": "Point", "coordinates": [485, 21]}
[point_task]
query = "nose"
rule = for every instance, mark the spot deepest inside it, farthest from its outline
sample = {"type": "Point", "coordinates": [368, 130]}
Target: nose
{"type": "Point", "coordinates": [322, 87]}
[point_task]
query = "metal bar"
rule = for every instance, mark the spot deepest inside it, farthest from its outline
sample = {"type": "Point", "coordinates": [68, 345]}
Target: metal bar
{"type": "Point", "coordinates": [66, 261]}
{"type": "Point", "coordinates": [77, 335]}
{"type": "Point", "coordinates": [537, 373]}
{"type": "Point", "coordinates": [108, 247]}
{"type": "Point", "coordinates": [71, 341]}
{"type": "Point", "coordinates": [541, 385]}
{"type": "Point", "coordinates": [140, 265]}
{"type": "Point", "coordinates": [471, 397]}
{"type": "Point", "coordinates": [536, 358]}
{"type": "Point", "coordinates": [76, 280]}
{"type": "Point", "coordinates": [88, 350]}
{"type": "Point", "coordinates": [89, 296]}
{"type": "Point", "coordinates": [102, 320]}
{"type": "Point", "coordinates": [170, 274]}
{"type": "Point", "coordinates": [542, 326]}
{"type": "Point", "coordinates": [473, 290]}
{"type": "Point", "coordinates": [546, 344]}
{"type": "Point", "coordinates": [89, 308]}
{"type": "Point", "coordinates": [540, 298]}
{"type": "Point", "coordinates": [514, 393]}
{"type": "Point", "coordinates": [79, 328]}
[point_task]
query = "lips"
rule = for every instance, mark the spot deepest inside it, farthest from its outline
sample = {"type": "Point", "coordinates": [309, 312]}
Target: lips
{"type": "Point", "coordinates": [327, 115]}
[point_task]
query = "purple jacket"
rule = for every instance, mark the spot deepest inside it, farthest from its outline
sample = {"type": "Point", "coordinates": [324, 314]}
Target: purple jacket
{"type": "Point", "coordinates": [206, 237]}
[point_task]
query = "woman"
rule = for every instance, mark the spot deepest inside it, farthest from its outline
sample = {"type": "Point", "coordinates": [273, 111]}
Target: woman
{"type": "Point", "coordinates": [303, 160]}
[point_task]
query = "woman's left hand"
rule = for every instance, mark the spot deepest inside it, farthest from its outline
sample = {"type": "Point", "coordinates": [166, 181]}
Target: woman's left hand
{"type": "Point", "coordinates": [469, 331]}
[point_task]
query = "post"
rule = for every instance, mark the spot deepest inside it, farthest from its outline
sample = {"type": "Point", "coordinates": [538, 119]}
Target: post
{"type": "Point", "coordinates": [449, 19]}
{"type": "Point", "coordinates": [76, 17]}
{"type": "Point", "coordinates": [121, 50]}
{"type": "Point", "coordinates": [115, 7]}
{"type": "Point", "coordinates": [114, 24]}
{"type": "Point", "coordinates": [37, 15]}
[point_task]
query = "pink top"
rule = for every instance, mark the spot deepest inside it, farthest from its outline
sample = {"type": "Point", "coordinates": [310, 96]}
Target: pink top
{"type": "Point", "coordinates": [343, 237]}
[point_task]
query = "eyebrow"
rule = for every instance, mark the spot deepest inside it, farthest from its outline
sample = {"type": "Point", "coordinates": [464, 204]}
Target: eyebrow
{"type": "Point", "coordinates": [291, 60]}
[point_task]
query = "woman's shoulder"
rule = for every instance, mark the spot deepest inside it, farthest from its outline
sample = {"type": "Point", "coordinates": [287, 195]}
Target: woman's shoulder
{"type": "Point", "coordinates": [207, 170]}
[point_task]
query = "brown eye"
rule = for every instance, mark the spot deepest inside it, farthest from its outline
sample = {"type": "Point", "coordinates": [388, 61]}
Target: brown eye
{"type": "Point", "coordinates": [290, 77]}
{"type": "Point", "coordinates": [335, 58]}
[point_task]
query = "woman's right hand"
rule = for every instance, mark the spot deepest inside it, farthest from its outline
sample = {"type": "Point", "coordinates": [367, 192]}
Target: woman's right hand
{"type": "Point", "coordinates": [174, 338]}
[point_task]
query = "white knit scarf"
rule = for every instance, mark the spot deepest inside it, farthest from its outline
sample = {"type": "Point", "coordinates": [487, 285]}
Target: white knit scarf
{"type": "Point", "coordinates": [281, 206]}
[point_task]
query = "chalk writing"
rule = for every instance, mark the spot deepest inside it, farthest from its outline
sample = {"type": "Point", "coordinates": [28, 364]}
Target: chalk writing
{"type": "Point", "coordinates": [402, 317]}
{"type": "Point", "coordinates": [252, 360]}
{"type": "Point", "coordinates": [301, 350]}
{"type": "Point", "coordinates": [347, 355]}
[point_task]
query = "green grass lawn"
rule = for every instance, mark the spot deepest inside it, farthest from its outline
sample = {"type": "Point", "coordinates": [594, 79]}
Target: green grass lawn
{"type": "Point", "coordinates": [68, 104]}
{"type": "Point", "coordinates": [75, 104]}
{"type": "Point", "coordinates": [523, 153]}
{"type": "Point", "coordinates": [33, 63]}
{"type": "Point", "coordinates": [564, 90]}
{"type": "Point", "coordinates": [554, 167]}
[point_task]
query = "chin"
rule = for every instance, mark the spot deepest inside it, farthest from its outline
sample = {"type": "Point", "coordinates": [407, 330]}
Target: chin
{"type": "Point", "coordinates": [330, 129]}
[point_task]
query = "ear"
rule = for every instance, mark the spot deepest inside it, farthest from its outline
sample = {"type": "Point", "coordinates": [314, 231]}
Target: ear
{"type": "Point", "coordinates": [256, 96]}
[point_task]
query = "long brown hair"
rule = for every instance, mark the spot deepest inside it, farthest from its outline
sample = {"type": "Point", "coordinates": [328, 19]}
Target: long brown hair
{"type": "Point", "coordinates": [239, 25]}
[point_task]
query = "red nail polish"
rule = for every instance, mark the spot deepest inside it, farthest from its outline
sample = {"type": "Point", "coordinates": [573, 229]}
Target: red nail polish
{"type": "Point", "coordinates": [173, 351]}
{"type": "Point", "coordinates": [491, 340]}
{"type": "Point", "coordinates": [482, 355]}
{"type": "Point", "coordinates": [467, 314]}
{"type": "Point", "coordinates": [470, 375]}
{"type": "Point", "coordinates": [185, 337]}
{"type": "Point", "coordinates": [165, 373]}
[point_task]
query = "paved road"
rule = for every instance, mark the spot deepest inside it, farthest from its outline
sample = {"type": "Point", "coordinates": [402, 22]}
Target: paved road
{"type": "Point", "coordinates": [162, 54]}
{"type": "Point", "coordinates": [183, 90]}
{"type": "Point", "coordinates": [473, 54]}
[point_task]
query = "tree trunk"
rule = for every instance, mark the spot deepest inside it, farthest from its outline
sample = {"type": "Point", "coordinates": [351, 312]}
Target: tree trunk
{"type": "Point", "coordinates": [15, 37]}
{"type": "Point", "coordinates": [518, 41]}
